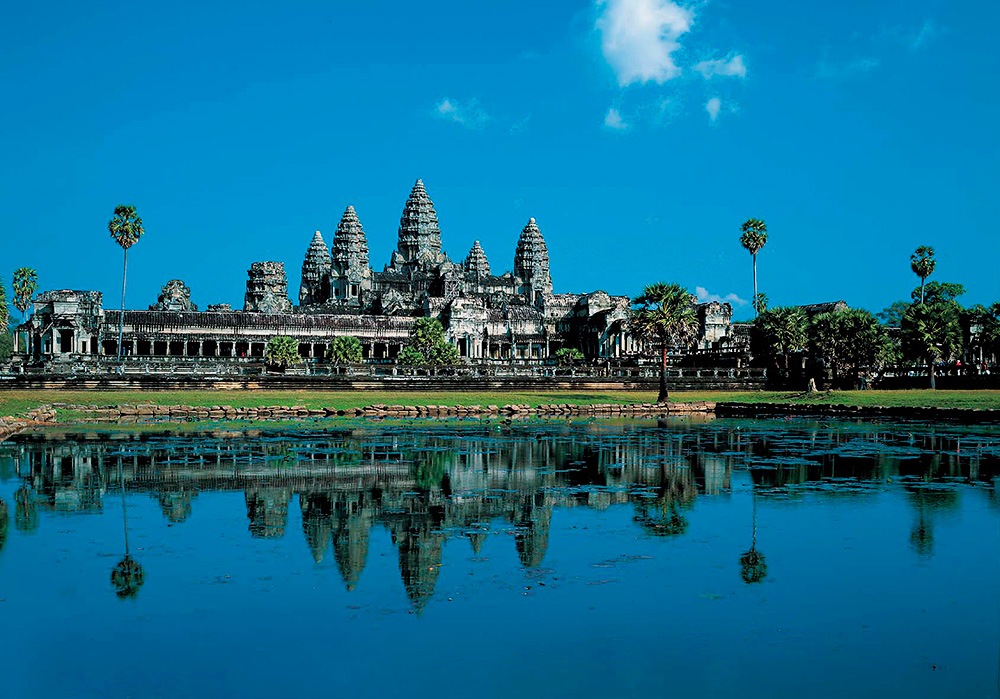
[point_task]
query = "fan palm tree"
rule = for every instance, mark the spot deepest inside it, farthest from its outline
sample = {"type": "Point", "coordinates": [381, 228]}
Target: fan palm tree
{"type": "Point", "coordinates": [25, 283]}
{"type": "Point", "coordinates": [126, 228]}
{"type": "Point", "coordinates": [922, 263]}
{"type": "Point", "coordinates": [753, 239]}
{"type": "Point", "coordinates": [664, 313]}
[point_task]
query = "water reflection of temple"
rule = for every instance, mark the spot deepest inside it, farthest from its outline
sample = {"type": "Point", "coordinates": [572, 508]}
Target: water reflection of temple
{"type": "Point", "coordinates": [426, 484]}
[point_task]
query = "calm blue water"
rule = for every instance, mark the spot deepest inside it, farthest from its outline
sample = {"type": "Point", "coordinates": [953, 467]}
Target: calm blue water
{"type": "Point", "coordinates": [466, 559]}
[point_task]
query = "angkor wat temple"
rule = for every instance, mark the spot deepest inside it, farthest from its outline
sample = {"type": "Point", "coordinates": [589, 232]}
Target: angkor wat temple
{"type": "Point", "coordinates": [511, 317]}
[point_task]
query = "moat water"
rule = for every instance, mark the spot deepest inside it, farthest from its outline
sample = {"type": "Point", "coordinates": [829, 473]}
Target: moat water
{"type": "Point", "coordinates": [482, 559]}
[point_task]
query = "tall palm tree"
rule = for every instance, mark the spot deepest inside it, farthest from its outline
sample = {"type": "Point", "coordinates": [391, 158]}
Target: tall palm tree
{"type": "Point", "coordinates": [922, 263]}
{"type": "Point", "coordinates": [664, 313]}
{"type": "Point", "coordinates": [126, 228]}
{"type": "Point", "coordinates": [753, 239]}
{"type": "Point", "coordinates": [25, 284]}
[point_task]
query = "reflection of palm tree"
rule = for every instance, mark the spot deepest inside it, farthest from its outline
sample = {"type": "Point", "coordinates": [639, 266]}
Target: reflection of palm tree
{"type": "Point", "coordinates": [753, 567]}
{"type": "Point", "coordinates": [4, 518]}
{"type": "Point", "coordinates": [126, 577]}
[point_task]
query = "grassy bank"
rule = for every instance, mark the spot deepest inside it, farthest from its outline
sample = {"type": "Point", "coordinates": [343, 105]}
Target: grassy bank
{"type": "Point", "coordinates": [18, 402]}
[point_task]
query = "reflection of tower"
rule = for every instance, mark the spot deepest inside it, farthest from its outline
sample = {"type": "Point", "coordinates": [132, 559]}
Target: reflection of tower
{"type": "Point", "coordinates": [176, 505]}
{"type": "Point", "coordinates": [477, 537]}
{"type": "Point", "coordinates": [532, 517]}
{"type": "Point", "coordinates": [267, 510]}
{"type": "Point", "coordinates": [316, 525]}
{"type": "Point", "coordinates": [420, 549]}
{"type": "Point", "coordinates": [350, 546]}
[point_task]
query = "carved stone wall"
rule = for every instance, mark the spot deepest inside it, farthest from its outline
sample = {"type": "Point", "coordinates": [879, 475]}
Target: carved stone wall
{"type": "Point", "coordinates": [174, 296]}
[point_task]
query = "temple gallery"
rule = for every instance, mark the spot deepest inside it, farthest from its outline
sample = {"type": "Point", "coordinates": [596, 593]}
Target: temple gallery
{"type": "Point", "coordinates": [514, 316]}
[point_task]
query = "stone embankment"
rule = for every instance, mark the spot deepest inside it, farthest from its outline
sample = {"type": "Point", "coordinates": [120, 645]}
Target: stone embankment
{"type": "Point", "coordinates": [881, 412]}
{"type": "Point", "coordinates": [144, 412]}
{"type": "Point", "coordinates": [39, 416]}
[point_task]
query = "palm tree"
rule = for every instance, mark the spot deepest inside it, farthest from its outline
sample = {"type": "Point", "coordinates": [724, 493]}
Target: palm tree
{"type": "Point", "coordinates": [922, 263]}
{"type": "Point", "coordinates": [753, 239]}
{"type": "Point", "coordinates": [664, 313]}
{"type": "Point", "coordinates": [24, 283]}
{"type": "Point", "coordinates": [126, 228]}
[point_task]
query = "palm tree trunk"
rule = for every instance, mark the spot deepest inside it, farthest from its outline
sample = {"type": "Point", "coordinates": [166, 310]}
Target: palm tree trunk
{"type": "Point", "coordinates": [921, 291]}
{"type": "Point", "coordinates": [754, 256]}
{"type": "Point", "coordinates": [121, 318]}
{"type": "Point", "coordinates": [930, 366]}
{"type": "Point", "coordinates": [664, 396]}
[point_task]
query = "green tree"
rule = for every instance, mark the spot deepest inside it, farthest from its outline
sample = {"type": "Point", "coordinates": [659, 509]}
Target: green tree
{"type": "Point", "coordinates": [753, 238]}
{"type": "Point", "coordinates": [664, 314]}
{"type": "Point", "coordinates": [931, 333]}
{"type": "Point", "coordinates": [760, 303]}
{"type": "Point", "coordinates": [892, 316]}
{"type": "Point", "coordinates": [937, 291]}
{"type": "Point", "coordinates": [282, 351]}
{"type": "Point", "coordinates": [126, 228]}
{"type": "Point", "coordinates": [427, 346]}
{"type": "Point", "coordinates": [568, 356]}
{"type": "Point", "coordinates": [922, 263]}
{"type": "Point", "coordinates": [25, 284]}
{"type": "Point", "coordinates": [849, 340]}
{"type": "Point", "coordinates": [780, 332]}
{"type": "Point", "coordinates": [345, 350]}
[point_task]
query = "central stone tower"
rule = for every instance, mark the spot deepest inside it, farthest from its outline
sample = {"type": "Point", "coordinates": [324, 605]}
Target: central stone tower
{"type": "Point", "coordinates": [531, 264]}
{"type": "Point", "coordinates": [419, 233]}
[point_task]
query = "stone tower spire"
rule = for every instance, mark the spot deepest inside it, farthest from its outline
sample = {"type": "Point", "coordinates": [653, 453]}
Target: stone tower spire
{"type": "Point", "coordinates": [350, 247]}
{"type": "Point", "coordinates": [419, 234]}
{"type": "Point", "coordinates": [351, 274]}
{"type": "Point", "coordinates": [315, 269]}
{"type": "Point", "coordinates": [476, 262]}
{"type": "Point", "coordinates": [531, 262]}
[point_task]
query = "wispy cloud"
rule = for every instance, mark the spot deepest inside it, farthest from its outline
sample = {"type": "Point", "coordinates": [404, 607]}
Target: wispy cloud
{"type": "Point", "coordinates": [705, 297]}
{"type": "Point", "coordinates": [613, 120]}
{"type": "Point", "coordinates": [520, 125]}
{"type": "Point", "coordinates": [639, 38]}
{"type": "Point", "coordinates": [731, 68]}
{"type": "Point", "coordinates": [927, 33]}
{"type": "Point", "coordinates": [713, 106]}
{"type": "Point", "coordinates": [468, 114]}
{"type": "Point", "coordinates": [832, 70]}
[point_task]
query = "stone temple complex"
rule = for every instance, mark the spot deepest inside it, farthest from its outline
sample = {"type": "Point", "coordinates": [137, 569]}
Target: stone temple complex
{"type": "Point", "coordinates": [514, 316]}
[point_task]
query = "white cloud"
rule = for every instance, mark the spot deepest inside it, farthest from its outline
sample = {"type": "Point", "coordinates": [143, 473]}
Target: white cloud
{"type": "Point", "coordinates": [828, 69]}
{"type": "Point", "coordinates": [713, 106]}
{"type": "Point", "coordinates": [469, 114]}
{"type": "Point", "coordinates": [705, 297]}
{"type": "Point", "coordinates": [613, 120]}
{"type": "Point", "coordinates": [927, 33]}
{"type": "Point", "coordinates": [638, 38]}
{"type": "Point", "coordinates": [732, 68]}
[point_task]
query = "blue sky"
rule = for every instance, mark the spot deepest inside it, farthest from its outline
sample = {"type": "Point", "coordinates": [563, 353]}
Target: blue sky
{"type": "Point", "coordinates": [639, 133]}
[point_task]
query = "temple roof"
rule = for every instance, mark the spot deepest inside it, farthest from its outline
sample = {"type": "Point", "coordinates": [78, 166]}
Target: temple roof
{"type": "Point", "coordinates": [350, 247]}
{"type": "Point", "coordinates": [531, 260]}
{"type": "Point", "coordinates": [419, 233]}
{"type": "Point", "coordinates": [476, 261]}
